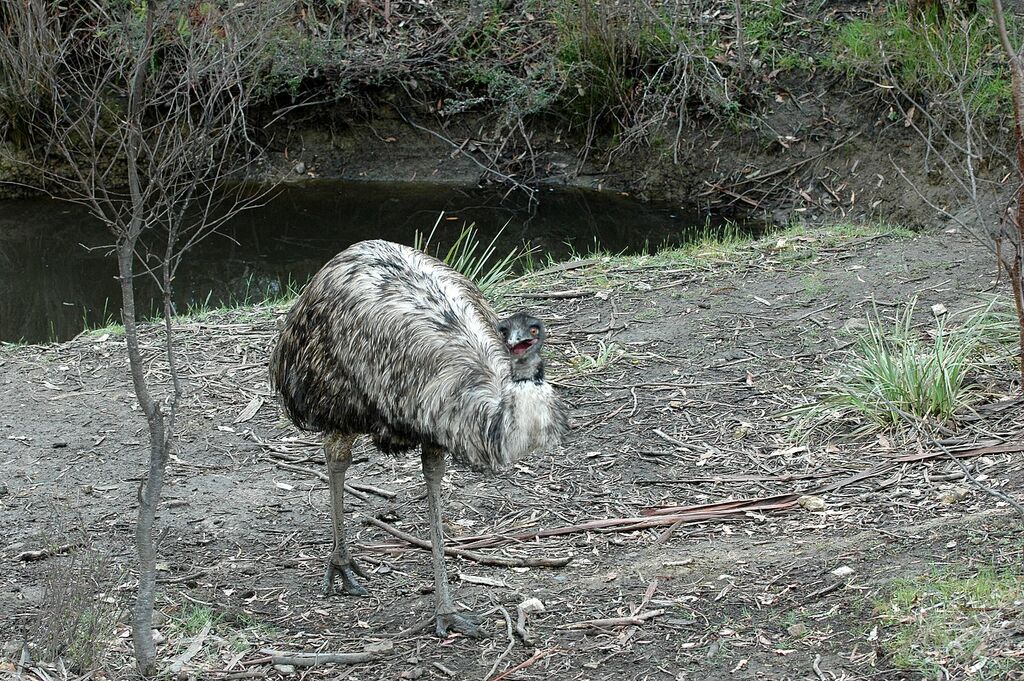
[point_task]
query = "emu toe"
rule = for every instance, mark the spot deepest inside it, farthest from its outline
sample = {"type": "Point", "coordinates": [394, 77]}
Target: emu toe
{"type": "Point", "coordinates": [349, 582]}
{"type": "Point", "coordinates": [448, 623]}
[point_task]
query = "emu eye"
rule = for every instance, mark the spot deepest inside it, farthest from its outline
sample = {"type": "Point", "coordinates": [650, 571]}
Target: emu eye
{"type": "Point", "coordinates": [534, 331]}
{"type": "Point", "coordinates": [503, 330]}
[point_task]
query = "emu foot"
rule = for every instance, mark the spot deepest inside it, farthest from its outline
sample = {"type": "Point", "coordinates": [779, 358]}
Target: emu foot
{"type": "Point", "coordinates": [450, 622]}
{"type": "Point", "coordinates": [347, 569]}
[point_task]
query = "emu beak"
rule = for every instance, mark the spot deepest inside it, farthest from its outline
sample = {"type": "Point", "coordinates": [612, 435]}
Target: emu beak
{"type": "Point", "coordinates": [518, 343]}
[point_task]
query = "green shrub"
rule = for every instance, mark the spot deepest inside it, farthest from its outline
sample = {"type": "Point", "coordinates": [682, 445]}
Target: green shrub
{"type": "Point", "coordinates": [928, 58]}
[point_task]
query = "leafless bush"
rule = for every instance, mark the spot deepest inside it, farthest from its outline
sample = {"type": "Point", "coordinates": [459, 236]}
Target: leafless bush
{"type": "Point", "coordinates": [80, 606]}
{"type": "Point", "coordinates": [963, 149]}
{"type": "Point", "coordinates": [144, 117]}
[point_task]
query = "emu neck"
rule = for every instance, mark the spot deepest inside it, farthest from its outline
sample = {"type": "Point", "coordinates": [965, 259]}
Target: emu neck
{"type": "Point", "coordinates": [528, 368]}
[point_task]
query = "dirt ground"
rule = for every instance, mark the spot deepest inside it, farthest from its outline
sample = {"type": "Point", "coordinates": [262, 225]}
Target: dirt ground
{"type": "Point", "coordinates": [677, 376]}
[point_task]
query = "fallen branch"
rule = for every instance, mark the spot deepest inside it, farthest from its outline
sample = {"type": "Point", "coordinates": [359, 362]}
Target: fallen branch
{"type": "Point", "coordinates": [43, 554]}
{"type": "Point", "coordinates": [553, 294]}
{"type": "Point", "coordinates": [508, 633]}
{"type": "Point", "coordinates": [633, 620]}
{"type": "Point", "coordinates": [537, 657]}
{"type": "Point", "coordinates": [300, 659]}
{"type": "Point", "coordinates": [481, 558]}
{"type": "Point", "coordinates": [284, 459]}
{"type": "Point", "coordinates": [372, 489]}
{"type": "Point", "coordinates": [675, 515]}
{"type": "Point", "coordinates": [560, 267]}
{"type": "Point", "coordinates": [349, 488]}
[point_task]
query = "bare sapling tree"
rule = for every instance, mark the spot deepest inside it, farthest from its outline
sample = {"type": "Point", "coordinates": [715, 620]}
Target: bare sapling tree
{"type": "Point", "coordinates": [138, 111]}
{"type": "Point", "coordinates": [1010, 243]}
{"type": "Point", "coordinates": [961, 147]}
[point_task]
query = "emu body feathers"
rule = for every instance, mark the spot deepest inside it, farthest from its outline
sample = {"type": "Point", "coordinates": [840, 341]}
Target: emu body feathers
{"type": "Point", "coordinates": [388, 341]}
{"type": "Point", "coordinates": [391, 342]}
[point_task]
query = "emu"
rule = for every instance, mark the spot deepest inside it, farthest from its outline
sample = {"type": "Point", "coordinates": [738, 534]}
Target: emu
{"type": "Point", "coordinates": [390, 342]}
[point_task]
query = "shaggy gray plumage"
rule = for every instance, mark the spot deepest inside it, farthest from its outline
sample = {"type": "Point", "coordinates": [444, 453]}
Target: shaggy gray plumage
{"type": "Point", "coordinates": [388, 341]}
{"type": "Point", "coordinates": [391, 342]}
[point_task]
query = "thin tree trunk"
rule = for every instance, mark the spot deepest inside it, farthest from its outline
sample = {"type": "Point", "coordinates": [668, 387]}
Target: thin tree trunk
{"type": "Point", "coordinates": [741, 53]}
{"type": "Point", "coordinates": [149, 492]}
{"type": "Point", "coordinates": [1014, 265]}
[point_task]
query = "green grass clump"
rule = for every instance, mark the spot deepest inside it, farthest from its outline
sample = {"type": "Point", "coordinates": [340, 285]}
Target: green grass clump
{"type": "Point", "coordinates": [896, 375]}
{"type": "Point", "coordinates": [945, 61]}
{"type": "Point", "coordinates": [603, 356]}
{"type": "Point", "coordinates": [270, 294]}
{"type": "Point", "coordinates": [470, 256]}
{"type": "Point", "coordinates": [949, 626]}
{"type": "Point", "coordinates": [193, 618]}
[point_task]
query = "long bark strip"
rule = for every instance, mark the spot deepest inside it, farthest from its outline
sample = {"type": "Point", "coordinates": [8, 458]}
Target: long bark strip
{"type": "Point", "coordinates": [721, 510]}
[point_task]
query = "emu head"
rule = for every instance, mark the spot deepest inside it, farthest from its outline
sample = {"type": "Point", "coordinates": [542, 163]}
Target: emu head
{"type": "Point", "coordinates": [524, 337]}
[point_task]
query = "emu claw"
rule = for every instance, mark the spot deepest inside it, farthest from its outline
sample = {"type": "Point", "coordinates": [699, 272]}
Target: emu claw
{"type": "Point", "coordinates": [348, 569]}
{"type": "Point", "coordinates": [450, 622]}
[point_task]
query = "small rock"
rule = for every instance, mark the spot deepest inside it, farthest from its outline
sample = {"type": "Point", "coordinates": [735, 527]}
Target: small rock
{"type": "Point", "coordinates": [3, 489]}
{"type": "Point", "coordinates": [158, 638]}
{"type": "Point", "coordinates": [938, 309]}
{"type": "Point", "coordinates": [300, 168]}
{"type": "Point", "coordinates": [811, 503]}
{"type": "Point", "coordinates": [531, 605]}
{"type": "Point", "coordinates": [412, 673]}
{"type": "Point", "coordinates": [797, 630]}
{"type": "Point", "coordinates": [843, 571]}
{"type": "Point", "coordinates": [160, 618]}
{"type": "Point", "coordinates": [855, 325]}
{"type": "Point", "coordinates": [246, 567]}
{"type": "Point", "coordinates": [285, 668]}
{"type": "Point", "coordinates": [954, 496]}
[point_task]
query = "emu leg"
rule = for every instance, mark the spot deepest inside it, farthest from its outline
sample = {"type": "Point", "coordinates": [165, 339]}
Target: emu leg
{"type": "Point", "coordinates": [446, 619]}
{"type": "Point", "coordinates": [338, 451]}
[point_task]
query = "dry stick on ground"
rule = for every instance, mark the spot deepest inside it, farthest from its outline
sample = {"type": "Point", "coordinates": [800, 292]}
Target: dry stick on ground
{"type": "Point", "coordinates": [511, 639]}
{"type": "Point", "coordinates": [471, 555]}
{"type": "Point", "coordinates": [300, 659]}
{"type": "Point", "coordinates": [283, 459]}
{"type": "Point", "coordinates": [537, 657]}
{"type": "Point", "coordinates": [631, 620]}
{"type": "Point", "coordinates": [43, 554]}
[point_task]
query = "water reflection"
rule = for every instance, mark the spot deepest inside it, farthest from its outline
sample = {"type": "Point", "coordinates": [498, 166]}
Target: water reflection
{"type": "Point", "coordinates": [55, 275]}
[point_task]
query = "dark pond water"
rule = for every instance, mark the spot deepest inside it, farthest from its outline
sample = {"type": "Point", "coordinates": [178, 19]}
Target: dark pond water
{"type": "Point", "coordinates": [54, 281]}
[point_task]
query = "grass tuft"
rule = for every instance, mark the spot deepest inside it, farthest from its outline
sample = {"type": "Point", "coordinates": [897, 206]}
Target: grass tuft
{"type": "Point", "coordinates": [477, 261]}
{"type": "Point", "coordinates": [949, 626]}
{"type": "Point", "coordinates": [896, 375]}
{"type": "Point", "coordinates": [604, 355]}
